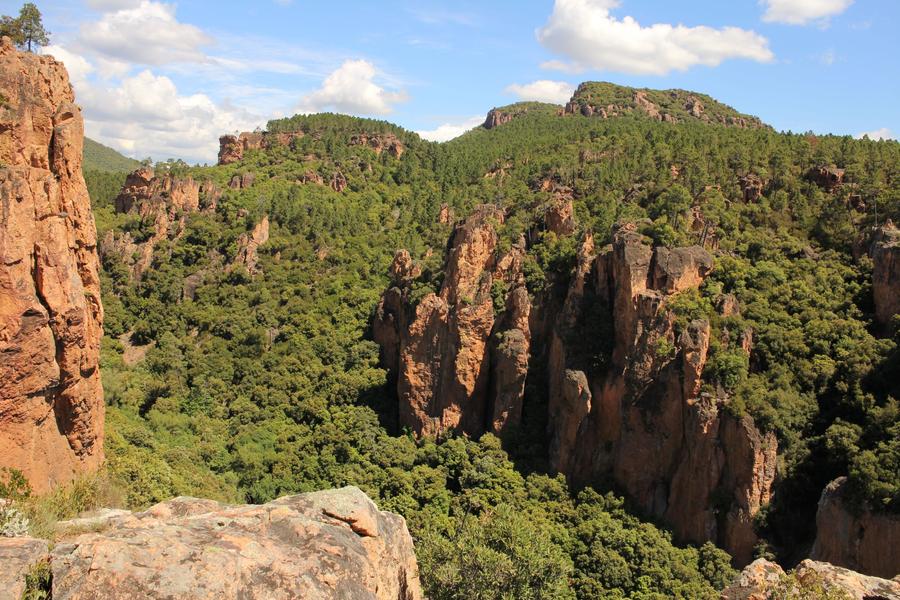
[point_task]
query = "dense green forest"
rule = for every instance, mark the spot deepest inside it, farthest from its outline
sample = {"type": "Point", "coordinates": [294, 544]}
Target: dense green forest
{"type": "Point", "coordinates": [98, 157]}
{"type": "Point", "coordinates": [269, 384]}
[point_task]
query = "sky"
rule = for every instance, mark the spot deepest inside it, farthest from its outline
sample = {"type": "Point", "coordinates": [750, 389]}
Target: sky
{"type": "Point", "coordinates": [165, 79]}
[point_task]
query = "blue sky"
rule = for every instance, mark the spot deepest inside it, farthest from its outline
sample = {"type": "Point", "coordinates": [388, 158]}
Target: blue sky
{"type": "Point", "coordinates": [164, 80]}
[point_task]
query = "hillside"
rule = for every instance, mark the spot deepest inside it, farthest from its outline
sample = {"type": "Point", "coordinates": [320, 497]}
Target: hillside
{"type": "Point", "coordinates": [576, 349]}
{"type": "Point", "coordinates": [98, 157]}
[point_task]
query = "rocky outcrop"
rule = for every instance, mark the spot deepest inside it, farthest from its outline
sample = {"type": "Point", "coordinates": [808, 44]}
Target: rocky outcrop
{"type": "Point", "coordinates": [242, 182]}
{"type": "Point", "coordinates": [751, 187]}
{"type": "Point", "coordinates": [765, 580]}
{"type": "Point", "coordinates": [496, 118]}
{"type": "Point", "coordinates": [162, 204]}
{"type": "Point", "coordinates": [387, 142]}
{"type": "Point", "coordinates": [606, 101]}
{"type": "Point", "coordinates": [51, 401]}
{"type": "Point", "coordinates": [641, 418]}
{"type": "Point", "coordinates": [338, 182]}
{"type": "Point", "coordinates": [233, 147]}
{"type": "Point", "coordinates": [862, 540]}
{"type": "Point", "coordinates": [329, 544]}
{"type": "Point", "coordinates": [624, 375]}
{"type": "Point", "coordinates": [885, 253]}
{"type": "Point", "coordinates": [249, 243]}
{"type": "Point", "coordinates": [456, 365]}
{"type": "Point", "coordinates": [827, 177]}
{"type": "Point", "coordinates": [18, 556]}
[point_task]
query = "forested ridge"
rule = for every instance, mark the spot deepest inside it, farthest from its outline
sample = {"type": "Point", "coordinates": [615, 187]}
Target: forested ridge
{"type": "Point", "coordinates": [255, 385]}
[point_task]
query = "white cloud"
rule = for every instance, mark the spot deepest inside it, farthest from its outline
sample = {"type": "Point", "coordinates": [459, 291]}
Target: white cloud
{"type": "Point", "coordinates": [587, 34]}
{"type": "Point", "coordinates": [112, 5]}
{"type": "Point", "coordinates": [543, 90]}
{"type": "Point", "coordinates": [800, 12]}
{"type": "Point", "coordinates": [879, 134]}
{"type": "Point", "coordinates": [352, 89]}
{"type": "Point", "coordinates": [147, 34]}
{"type": "Point", "coordinates": [77, 66]}
{"type": "Point", "coordinates": [448, 131]}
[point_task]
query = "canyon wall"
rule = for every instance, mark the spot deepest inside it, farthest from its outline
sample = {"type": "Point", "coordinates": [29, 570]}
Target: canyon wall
{"type": "Point", "coordinates": [51, 400]}
{"type": "Point", "coordinates": [885, 253]}
{"type": "Point", "coordinates": [624, 375]}
{"type": "Point", "coordinates": [862, 540]}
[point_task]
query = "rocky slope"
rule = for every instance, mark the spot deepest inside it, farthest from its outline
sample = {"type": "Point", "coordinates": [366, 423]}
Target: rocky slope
{"type": "Point", "coordinates": [765, 580]}
{"type": "Point", "coordinates": [885, 253]}
{"type": "Point", "coordinates": [51, 401]}
{"type": "Point", "coordinates": [460, 359]}
{"type": "Point", "coordinates": [862, 540]}
{"type": "Point", "coordinates": [329, 544]}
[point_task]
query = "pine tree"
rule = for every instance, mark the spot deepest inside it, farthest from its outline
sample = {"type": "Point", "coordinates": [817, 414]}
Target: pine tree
{"type": "Point", "coordinates": [32, 29]}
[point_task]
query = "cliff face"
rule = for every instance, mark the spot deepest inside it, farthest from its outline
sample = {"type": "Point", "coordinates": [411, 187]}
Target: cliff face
{"type": "Point", "coordinates": [441, 353]}
{"type": "Point", "coordinates": [329, 544]}
{"type": "Point", "coordinates": [867, 542]}
{"type": "Point", "coordinates": [642, 419]}
{"type": "Point", "coordinates": [51, 401]}
{"type": "Point", "coordinates": [885, 252]}
{"type": "Point", "coordinates": [162, 203]}
{"type": "Point", "coordinates": [624, 377]}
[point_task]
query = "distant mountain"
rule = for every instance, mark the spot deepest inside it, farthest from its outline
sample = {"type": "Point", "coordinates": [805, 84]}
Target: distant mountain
{"type": "Point", "coordinates": [98, 157]}
{"type": "Point", "coordinates": [608, 100]}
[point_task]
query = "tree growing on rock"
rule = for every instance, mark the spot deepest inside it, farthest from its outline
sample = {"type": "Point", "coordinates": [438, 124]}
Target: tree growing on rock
{"type": "Point", "coordinates": [27, 30]}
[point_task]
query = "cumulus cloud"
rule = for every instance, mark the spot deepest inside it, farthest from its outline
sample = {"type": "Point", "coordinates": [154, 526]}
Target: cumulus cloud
{"type": "Point", "coordinates": [147, 34]}
{"type": "Point", "coordinates": [77, 66]}
{"type": "Point", "coordinates": [590, 37]}
{"type": "Point", "coordinates": [543, 90]}
{"type": "Point", "coordinates": [448, 131]}
{"type": "Point", "coordinates": [352, 89]}
{"type": "Point", "coordinates": [800, 12]}
{"type": "Point", "coordinates": [879, 134]}
{"type": "Point", "coordinates": [146, 115]}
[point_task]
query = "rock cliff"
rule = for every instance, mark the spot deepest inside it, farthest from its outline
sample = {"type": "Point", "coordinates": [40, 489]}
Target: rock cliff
{"type": "Point", "coordinates": [329, 544]}
{"type": "Point", "coordinates": [862, 540]}
{"type": "Point", "coordinates": [885, 253]}
{"type": "Point", "coordinates": [765, 580]}
{"type": "Point", "coordinates": [623, 374]}
{"type": "Point", "coordinates": [162, 204]}
{"type": "Point", "coordinates": [456, 366]}
{"type": "Point", "coordinates": [51, 401]}
{"type": "Point", "coordinates": [642, 417]}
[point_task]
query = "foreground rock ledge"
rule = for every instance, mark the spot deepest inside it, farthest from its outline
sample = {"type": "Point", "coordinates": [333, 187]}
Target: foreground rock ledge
{"type": "Point", "coordinates": [765, 580]}
{"type": "Point", "coordinates": [329, 544]}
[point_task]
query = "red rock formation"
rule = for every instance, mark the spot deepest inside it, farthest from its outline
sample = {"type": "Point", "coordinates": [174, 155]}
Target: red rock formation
{"type": "Point", "coordinates": [17, 557]}
{"type": "Point", "coordinates": [637, 415]}
{"type": "Point", "coordinates": [248, 243]}
{"type": "Point", "coordinates": [864, 541]}
{"type": "Point", "coordinates": [51, 401]}
{"type": "Point", "coordinates": [496, 118]}
{"type": "Point", "coordinates": [643, 421]}
{"type": "Point", "coordinates": [338, 182]}
{"type": "Point", "coordinates": [827, 177]}
{"type": "Point", "coordinates": [242, 182]}
{"type": "Point", "coordinates": [162, 203]}
{"type": "Point", "coordinates": [765, 580]}
{"type": "Point", "coordinates": [329, 544]}
{"type": "Point", "coordinates": [752, 187]}
{"type": "Point", "coordinates": [560, 215]}
{"type": "Point", "coordinates": [445, 216]}
{"type": "Point", "coordinates": [885, 253]}
{"type": "Point", "coordinates": [233, 147]}
{"type": "Point", "coordinates": [456, 366]}
{"type": "Point", "coordinates": [380, 143]}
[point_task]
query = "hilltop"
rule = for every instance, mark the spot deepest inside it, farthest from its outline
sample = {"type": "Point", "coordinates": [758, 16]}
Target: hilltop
{"type": "Point", "coordinates": [98, 157]}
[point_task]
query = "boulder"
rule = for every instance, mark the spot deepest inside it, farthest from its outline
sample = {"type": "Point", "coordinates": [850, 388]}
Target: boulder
{"type": "Point", "coordinates": [18, 556]}
{"type": "Point", "coordinates": [329, 544]}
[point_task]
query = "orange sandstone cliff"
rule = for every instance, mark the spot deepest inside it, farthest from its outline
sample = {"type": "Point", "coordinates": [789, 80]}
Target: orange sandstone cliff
{"type": "Point", "coordinates": [623, 376]}
{"type": "Point", "coordinates": [51, 401]}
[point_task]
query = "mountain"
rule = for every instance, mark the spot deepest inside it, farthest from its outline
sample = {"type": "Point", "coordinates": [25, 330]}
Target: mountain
{"type": "Point", "coordinates": [581, 354]}
{"type": "Point", "coordinates": [98, 157]}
